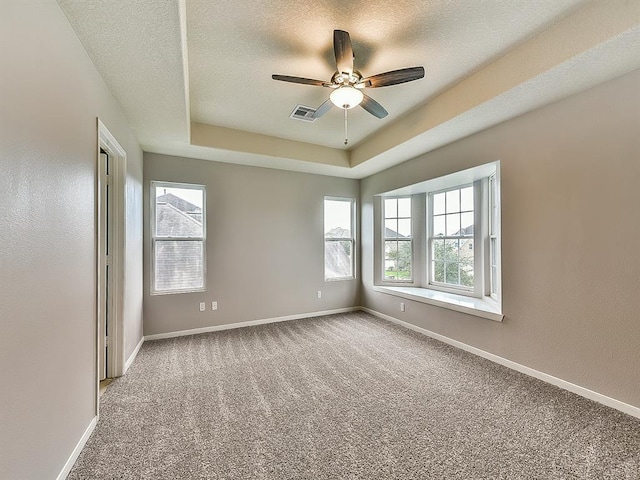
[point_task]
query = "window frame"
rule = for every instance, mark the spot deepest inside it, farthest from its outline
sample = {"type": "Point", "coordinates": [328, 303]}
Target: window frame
{"type": "Point", "coordinates": [351, 239]}
{"type": "Point", "coordinates": [154, 185]}
{"type": "Point", "coordinates": [409, 240]}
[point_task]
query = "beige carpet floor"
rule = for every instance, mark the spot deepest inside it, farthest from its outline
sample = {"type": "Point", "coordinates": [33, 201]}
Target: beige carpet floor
{"type": "Point", "coordinates": [345, 397]}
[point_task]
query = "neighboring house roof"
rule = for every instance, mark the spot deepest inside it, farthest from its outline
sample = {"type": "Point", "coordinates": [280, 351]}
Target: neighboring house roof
{"type": "Point", "coordinates": [390, 233]}
{"type": "Point", "coordinates": [463, 232]}
{"type": "Point", "coordinates": [466, 231]}
{"type": "Point", "coordinates": [173, 223]}
{"type": "Point", "coordinates": [180, 203]}
{"type": "Point", "coordinates": [338, 232]}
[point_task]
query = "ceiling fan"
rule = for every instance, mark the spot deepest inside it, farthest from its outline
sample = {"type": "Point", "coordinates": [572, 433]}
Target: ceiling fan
{"type": "Point", "coordinates": [347, 83]}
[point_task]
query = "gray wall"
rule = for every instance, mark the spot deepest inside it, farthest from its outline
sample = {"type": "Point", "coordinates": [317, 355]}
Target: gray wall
{"type": "Point", "coordinates": [264, 245]}
{"type": "Point", "coordinates": [50, 96]}
{"type": "Point", "coordinates": [571, 239]}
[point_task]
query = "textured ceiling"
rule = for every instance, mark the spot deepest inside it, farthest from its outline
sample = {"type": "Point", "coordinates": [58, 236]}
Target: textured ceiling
{"type": "Point", "coordinates": [194, 77]}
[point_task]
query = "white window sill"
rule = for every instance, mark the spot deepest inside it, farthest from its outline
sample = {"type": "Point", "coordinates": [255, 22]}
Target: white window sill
{"type": "Point", "coordinates": [485, 308]}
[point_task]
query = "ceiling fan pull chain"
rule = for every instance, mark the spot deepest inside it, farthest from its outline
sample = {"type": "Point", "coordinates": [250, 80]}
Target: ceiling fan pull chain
{"type": "Point", "coordinates": [346, 131]}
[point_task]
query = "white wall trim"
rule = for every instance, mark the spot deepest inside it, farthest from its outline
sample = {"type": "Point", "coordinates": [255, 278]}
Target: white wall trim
{"type": "Point", "coordinates": [132, 357]}
{"type": "Point", "coordinates": [76, 451]}
{"type": "Point", "coordinates": [250, 323]}
{"type": "Point", "coordinates": [558, 382]}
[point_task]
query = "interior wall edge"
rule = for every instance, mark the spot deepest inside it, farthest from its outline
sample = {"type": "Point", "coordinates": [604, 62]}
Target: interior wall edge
{"type": "Point", "coordinates": [133, 356]}
{"type": "Point", "coordinates": [250, 323]}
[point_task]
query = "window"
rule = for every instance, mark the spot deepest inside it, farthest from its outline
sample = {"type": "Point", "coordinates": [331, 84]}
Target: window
{"type": "Point", "coordinates": [438, 242]}
{"type": "Point", "coordinates": [451, 228]}
{"type": "Point", "coordinates": [398, 249]}
{"type": "Point", "coordinates": [339, 239]}
{"type": "Point", "coordinates": [177, 238]}
{"type": "Point", "coordinates": [494, 228]}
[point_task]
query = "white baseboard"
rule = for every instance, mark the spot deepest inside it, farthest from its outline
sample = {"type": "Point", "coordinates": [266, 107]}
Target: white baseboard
{"type": "Point", "coordinates": [250, 323]}
{"type": "Point", "coordinates": [76, 451]}
{"type": "Point", "coordinates": [133, 355]}
{"type": "Point", "coordinates": [558, 382]}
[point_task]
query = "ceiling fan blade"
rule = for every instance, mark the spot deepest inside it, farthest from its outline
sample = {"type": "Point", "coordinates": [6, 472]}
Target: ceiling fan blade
{"type": "Point", "coordinates": [324, 108]}
{"type": "Point", "coordinates": [373, 107]}
{"type": "Point", "coordinates": [303, 81]}
{"type": "Point", "coordinates": [343, 51]}
{"type": "Point", "coordinates": [394, 77]}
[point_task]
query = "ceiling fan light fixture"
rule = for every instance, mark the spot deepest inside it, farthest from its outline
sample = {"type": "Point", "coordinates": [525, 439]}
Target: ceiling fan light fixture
{"type": "Point", "coordinates": [346, 97]}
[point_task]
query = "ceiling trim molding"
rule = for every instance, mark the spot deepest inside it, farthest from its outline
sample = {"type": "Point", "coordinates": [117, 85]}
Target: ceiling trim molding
{"type": "Point", "coordinates": [223, 138]}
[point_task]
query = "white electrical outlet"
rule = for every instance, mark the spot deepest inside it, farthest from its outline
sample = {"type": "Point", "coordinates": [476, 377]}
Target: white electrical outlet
{"type": "Point", "coordinates": [203, 306]}
{"type": "Point", "coordinates": [214, 305]}
{"type": "Point", "coordinates": [401, 306]}
{"type": "Point", "coordinates": [319, 293]}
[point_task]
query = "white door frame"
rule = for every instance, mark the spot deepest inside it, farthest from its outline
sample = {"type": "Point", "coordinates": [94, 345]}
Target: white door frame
{"type": "Point", "coordinates": [115, 355]}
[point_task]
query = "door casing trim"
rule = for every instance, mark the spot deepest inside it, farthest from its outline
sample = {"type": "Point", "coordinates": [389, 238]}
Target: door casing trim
{"type": "Point", "coordinates": [115, 355]}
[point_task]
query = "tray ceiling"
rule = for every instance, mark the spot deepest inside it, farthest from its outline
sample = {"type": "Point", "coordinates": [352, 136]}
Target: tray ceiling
{"type": "Point", "coordinates": [194, 77]}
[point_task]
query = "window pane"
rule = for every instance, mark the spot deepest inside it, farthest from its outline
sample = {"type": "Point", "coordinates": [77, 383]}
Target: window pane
{"type": "Point", "coordinates": [466, 262]}
{"type": "Point", "coordinates": [466, 274]}
{"type": "Point", "coordinates": [494, 277]}
{"type": "Point", "coordinates": [338, 259]}
{"type": "Point", "coordinates": [391, 228]}
{"type": "Point", "coordinates": [404, 227]}
{"type": "Point", "coordinates": [494, 220]}
{"type": "Point", "coordinates": [390, 260]}
{"type": "Point", "coordinates": [438, 272]}
{"type": "Point", "coordinates": [493, 205]}
{"type": "Point", "coordinates": [453, 224]}
{"type": "Point", "coordinates": [390, 207]}
{"type": "Point", "coordinates": [179, 212]}
{"type": "Point", "coordinates": [397, 260]}
{"type": "Point", "coordinates": [493, 260]}
{"type": "Point", "coordinates": [404, 260]}
{"type": "Point", "coordinates": [466, 222]}
{"type": "Point", "coordinates": [438, 226]}
{"type": "Point", "coordinates": [438, 250]}
{"type": "Point", "coordinates": [391, 249]}
{"type": "Point", "coordinates": [453, 201]}
{"type": "Point", "coordinates": [179, 265]}
{"type": "Point", "coordinates": [451, 250]}
{"type": "Point", "coordinates": [404, 207]}
{"type": "Point", "coordinates": [438, 203]}
{"type": "Point", "coordinates": [466, 195]}
{"type": "Point", "coordinates": [337, 218]}
{"type": "Point", "coordinates": [468, 244]}
{"type": "Point", "coordinates": [451, 273]}
{"type": "Point", "coordinates": [493, 250]}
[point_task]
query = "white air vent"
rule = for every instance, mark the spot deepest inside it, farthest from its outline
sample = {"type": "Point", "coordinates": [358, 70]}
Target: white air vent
{"type": "Point", "coordinates": [304, 113]}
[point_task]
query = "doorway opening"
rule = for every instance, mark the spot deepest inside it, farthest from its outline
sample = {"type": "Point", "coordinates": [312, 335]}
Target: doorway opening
{"type": "Point", "coordinates": [111, 177]}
